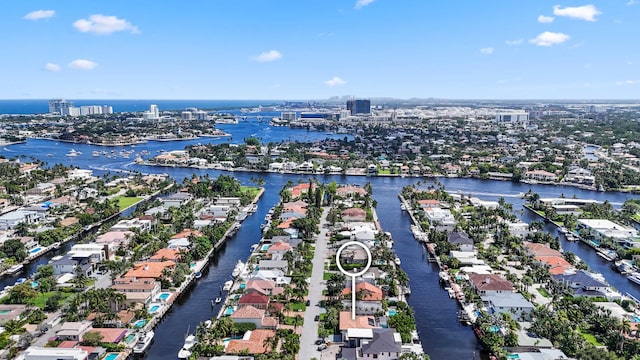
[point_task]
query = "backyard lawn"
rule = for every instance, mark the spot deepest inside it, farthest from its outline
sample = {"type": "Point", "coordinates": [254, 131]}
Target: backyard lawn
{"type": "Point", "coordinates": [124, 202]}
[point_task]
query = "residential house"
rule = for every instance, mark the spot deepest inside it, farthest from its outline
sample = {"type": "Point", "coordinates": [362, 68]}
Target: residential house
{"type": "Point", "coordinates": [48, 353]}
{"type": "Point", "coordinates": [274, 265]}
{"type": "Point", "coordinates": [175, 200]}
{"type": "Point", "coordinates": [490, 284]}
{"type": "Point", "coordinates": [166, 255]}
{"type": "Point", "coordinates": [253, 342]}
{"type": "Point", "coordinates": [461, 241]}
{"type": "Point", "coordinates": [141, 291]}
{"type": "Point", "coordinates": [11, 219]}
{"type": "Point", "coordinates": [251, 314]}
{"type": "Point", "coordinates": [133, 224]}
{"type": "Point", "coordinates": [584, 283]}
{"type": "Point", "coordinates": [385, 344]}
{"type": "Point", "coordinates": [149, 270]}
{"type": "Point", "coordinates": [256, 300]}
{"type": "Point", "coordinates": [232, 202]}
{"type": "Point", "coordinates": [73, 330]}
{"type": "Point", "coordinates": [350, 190]}
{"type": "Point", "coordinates": [354, 214]}
{"type": "Point", "coordinates": [540, 175]}
{"type": "Point", "coordinates": [115, 239]}
{"type": "Point", "coordinates": [11, 312]}
{"type": "Point", "coordinates": [440, 219]}
{"type": "Point", "coordinates": [511, 303]}
{"type": "Point", "coordinates": [278, 249]}
{"type": "Point", "coordinates": [601, 229]}
{"type": "Point", "coordinates": [369, 298]}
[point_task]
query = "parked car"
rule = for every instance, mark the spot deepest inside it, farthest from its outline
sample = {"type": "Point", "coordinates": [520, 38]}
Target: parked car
{"type": "Point", "coordinates": [317, 318]}
{"type": "Point", "coordinates": [319, 341]}
{"type": "Point", "coordinates": [308, 303]}
{"type": "Point", "coordinates": [322, 347]}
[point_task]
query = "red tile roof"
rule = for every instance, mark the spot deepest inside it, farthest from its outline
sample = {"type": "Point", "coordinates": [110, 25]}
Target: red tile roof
{"type": "Point", "coordinates": [254, 344]}
{"type": "Point", "coordinates": [370, 292]}
{"type": "Point", "coordinates": [490, 282]}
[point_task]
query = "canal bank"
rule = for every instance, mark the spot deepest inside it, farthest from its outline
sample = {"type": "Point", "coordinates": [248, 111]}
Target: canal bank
{"type": "Point", "coordinates": [441, 334]}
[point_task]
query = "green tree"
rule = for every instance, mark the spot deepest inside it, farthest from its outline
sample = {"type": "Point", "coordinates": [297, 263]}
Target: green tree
{"type": "Point", "coordinates": [92, 338]}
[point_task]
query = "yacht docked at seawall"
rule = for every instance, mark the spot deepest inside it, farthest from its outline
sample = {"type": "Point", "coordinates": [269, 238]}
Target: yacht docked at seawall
{"type": "Point", "coordinates": [634, 278]}
{"type": "Point", "coordinates": [238, 269]}
{"type": "Point", "coordinates": [189, 342]}
{"type": "Point", "coordinates": [143, 342]}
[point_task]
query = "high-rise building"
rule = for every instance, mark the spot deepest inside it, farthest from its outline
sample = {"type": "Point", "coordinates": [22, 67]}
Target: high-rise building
{"type": "Point", "coordinates": [359, 106]}
{"type": "Point", "coordinates": [60, 106]}
{"type": "Point", "coordinates": [154, 111]}
{"type": "Point", "coordinates": [187, 115]}
{"type": "Point", "coordinates": [106, 109]}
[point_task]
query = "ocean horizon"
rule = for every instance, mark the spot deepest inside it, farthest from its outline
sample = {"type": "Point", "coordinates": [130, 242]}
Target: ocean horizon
{"type": "Point", "coordinates": [41, 106]}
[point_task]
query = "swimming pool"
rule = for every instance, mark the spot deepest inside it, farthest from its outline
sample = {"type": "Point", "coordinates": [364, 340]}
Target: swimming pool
{"type": "Point", "coordinates": [154, 308]}
{"type": "Point", "coordinates": [636, 318]}
{"type": "Point", "coordinates": [112, 356]}
{"type": "Point", "coordinates": [265, 247]}
{"type": "Point", "coordinates": [164, 296]}
{"type": "Point", "coordinates": [130, 338]}
{"type": "Point", "coordinates": [494, 328]}
{"type": "Point", "coordinates": [228, 311]}
{"type": "Point", "coordinates": [35, 250]}
{"type": "Point", "coordinates": [140, 323]}
{"type": "Point", "coordinates": [392, 312]}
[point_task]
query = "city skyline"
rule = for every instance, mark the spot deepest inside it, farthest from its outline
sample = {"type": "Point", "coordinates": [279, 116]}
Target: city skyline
{"type": "Point", "coordinates": [364, 48]}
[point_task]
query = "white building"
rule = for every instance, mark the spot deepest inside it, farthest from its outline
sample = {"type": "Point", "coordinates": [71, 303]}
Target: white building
{"type": "Point", "coordinates": [441, 219]}
{"type": "Point", "coordinates": [512, 117]}
{"type": "Point", "coordinates": [52, 353]}
{"type": "Point", "coordinates": [602, 229]}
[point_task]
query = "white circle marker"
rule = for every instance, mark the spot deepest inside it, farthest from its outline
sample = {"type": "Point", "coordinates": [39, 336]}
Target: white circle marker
{"type": "Point", "coordinates": [352, 274]}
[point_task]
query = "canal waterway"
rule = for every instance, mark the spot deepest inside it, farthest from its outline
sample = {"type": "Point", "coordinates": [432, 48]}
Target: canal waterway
{"type": "Point", "coordinates": [436, 314]}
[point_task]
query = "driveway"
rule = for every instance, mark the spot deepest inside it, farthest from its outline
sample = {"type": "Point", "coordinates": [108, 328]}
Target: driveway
{"type": "Point", "coordinates": [308, 348]}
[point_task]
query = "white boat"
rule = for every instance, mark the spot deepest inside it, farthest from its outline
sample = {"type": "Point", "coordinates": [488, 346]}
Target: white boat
{"type": "Point", "coordinates": [397, 260]}
{"type": "Point", "coordinates": [227, 285]}
{"type": "Point", "coordinates": [634, 278]}
{"type": "Point", "coordinates": [14, 269]}
{"type": "Point", "coordinates": [73, 153]}
{"type": "Point", "coordinates": [143, 342]}
{"type": "Point", "coordinates": [238, 269]}
{"type": "Point", "coordinates": [218, 300]}
{"type": "Point", "coordinates": [185, 352]}
{"type": "Point", "coordinates": [403, 207]}
{"type": "Point", "coordinates": [95, 153]}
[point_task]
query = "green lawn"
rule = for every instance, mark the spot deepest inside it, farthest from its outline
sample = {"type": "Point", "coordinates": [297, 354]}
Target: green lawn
{"type": "Point", "coordinates": [384, 172]}
{"type": "Point", "coordinates": [40, 301]}
{"type": "Point", "coordinates": [326, 276]}
{"type": "Point", "coordinates": [543, 292]}
{"type": "Point", "coordinates": [124, 202]}
{"type": "Point", "coordinates": [253, 191]}
{"type": "Point", "coordinates": [295, 306]}
{"type": "Point", "coordinates": [589, 338]}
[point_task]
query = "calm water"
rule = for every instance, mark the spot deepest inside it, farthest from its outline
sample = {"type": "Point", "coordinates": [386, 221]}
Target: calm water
{"type": "Point", "coordinates": [442, 336]}
{"type": "Point", "coordinates": [39, 106]}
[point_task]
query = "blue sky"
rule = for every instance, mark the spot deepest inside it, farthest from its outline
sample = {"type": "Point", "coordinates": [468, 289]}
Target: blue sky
{"type": "Point", "coordinates": [314, 49]}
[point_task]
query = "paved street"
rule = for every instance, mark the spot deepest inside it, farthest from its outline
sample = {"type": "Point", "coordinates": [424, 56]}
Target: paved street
{"type": "Point", "coordinates": [308, 348]}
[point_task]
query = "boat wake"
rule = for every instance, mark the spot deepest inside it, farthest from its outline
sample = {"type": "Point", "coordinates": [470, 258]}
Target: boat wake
{"type": "Point", "coordinates": [7, 149]}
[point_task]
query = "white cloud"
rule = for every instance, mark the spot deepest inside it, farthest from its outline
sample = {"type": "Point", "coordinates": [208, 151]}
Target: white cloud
{"type": "Point", "coordinates": [627, 82]}
{"type": "Point", "coordinates": [40, 14]}
{"type": "Point", "coordinates": [548, 38]}
{"type": "Point", "coordinates": [104, 25]}
{"type": "Point", "coordinates": [632, 2]}
{"type": "Point", "coordinates": [335, 82]}
{"type": "Point", "coordinates": [52, 67]}
{"type": "Point", "coordinates": [267, 56]}
{"type": "Point", "coordinates": [545, 19]}
{"type": "Point", "coordinates": [514, 42]}
{"type": "Point", "coordinates": [362, 3]}
{"type": "Point", "coordinates": [82, 64]}
{"type": "Point", "coordinates": [487, 50]}
{"type": "Point", "coordinates": [584, 12]}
